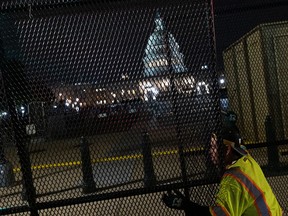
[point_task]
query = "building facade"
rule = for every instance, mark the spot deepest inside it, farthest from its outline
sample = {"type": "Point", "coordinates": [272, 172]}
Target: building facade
{"type": "Point", "coordinates": [256, 71]}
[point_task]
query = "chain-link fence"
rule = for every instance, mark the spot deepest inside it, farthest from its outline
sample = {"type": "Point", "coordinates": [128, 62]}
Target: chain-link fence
{"type": "Point", "coordinates": [252, 59]}
{"type": "Point", "coordinates": [107, 104]}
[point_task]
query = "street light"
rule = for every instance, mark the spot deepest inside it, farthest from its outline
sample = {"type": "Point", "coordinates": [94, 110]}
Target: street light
{"type": "Point", "coordinates": [222, 81]}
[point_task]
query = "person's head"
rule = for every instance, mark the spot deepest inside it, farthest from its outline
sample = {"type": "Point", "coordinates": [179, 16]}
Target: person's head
{"type": "Point", "coordinates": [233, 143]}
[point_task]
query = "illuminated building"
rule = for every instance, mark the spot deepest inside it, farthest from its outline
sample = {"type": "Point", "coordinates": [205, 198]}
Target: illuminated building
{"type": "Point", "coordinates": [162, 63]}
{"type": "Point", "coordinates": [163, 60]}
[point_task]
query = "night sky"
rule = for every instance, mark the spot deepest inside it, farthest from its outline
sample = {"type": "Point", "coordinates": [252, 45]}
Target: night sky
{"type": "Point", "coordinates": [234, 18]}
{"type": "Point", "coordinates": [78, 46]}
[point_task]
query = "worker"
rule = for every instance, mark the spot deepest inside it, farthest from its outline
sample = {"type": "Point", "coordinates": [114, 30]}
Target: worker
{"type": "Point", "coordinates": [243, 189]}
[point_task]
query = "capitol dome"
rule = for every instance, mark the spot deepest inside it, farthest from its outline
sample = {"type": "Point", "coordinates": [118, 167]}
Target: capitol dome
{"type": "Point", "coordinates": [161, 51]}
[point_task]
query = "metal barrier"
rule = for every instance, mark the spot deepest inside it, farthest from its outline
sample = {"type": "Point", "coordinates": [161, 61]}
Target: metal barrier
{"type": "Point", "coordinates": [104, 105]}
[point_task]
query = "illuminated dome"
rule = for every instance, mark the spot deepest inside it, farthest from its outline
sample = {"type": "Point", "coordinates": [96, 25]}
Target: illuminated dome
{"type": "Point", "coordinates": [156, 60]}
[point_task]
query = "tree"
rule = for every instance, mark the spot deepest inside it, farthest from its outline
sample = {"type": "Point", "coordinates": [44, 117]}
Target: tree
{"type": "Point", "coordinates": [19, 88]}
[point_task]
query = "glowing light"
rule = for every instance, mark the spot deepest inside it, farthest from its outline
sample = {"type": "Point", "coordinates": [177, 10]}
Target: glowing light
{"type": "Point", "coordinates": [150, 92]}
{"type": "Point", "coordinates": [124, 76]}
{"type": "Point", "coordinates": [203, 67]}
{"type": "Point", "coordinates": [201, 90]}
{"type": "Point", "coordinates": [4, 113]}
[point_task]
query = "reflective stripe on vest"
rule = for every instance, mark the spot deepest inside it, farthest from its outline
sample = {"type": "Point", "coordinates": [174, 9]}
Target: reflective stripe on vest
{"type": "Point", "coordinates": [255, 192]}
{"type": "Point", "coordinates": [219, 210]}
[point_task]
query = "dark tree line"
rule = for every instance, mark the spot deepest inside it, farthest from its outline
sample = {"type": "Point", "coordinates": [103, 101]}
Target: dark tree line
{"type": "Point", "coordinates": [18, 89]}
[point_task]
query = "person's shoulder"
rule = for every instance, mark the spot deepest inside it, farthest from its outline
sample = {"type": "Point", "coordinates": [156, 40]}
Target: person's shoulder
{"type": "Point", "coordinates": [228, 185]}
{"type": "Point", "coordinates": [227, 177]}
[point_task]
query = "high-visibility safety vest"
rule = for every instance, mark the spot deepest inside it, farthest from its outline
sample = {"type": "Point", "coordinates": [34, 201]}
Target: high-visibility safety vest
{"type": "Point", "coordinates": [244, 190]}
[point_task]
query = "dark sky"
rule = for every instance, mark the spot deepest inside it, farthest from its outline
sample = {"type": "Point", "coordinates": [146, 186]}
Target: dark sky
{"type": "Point", "coordinates": [234, 18]}
{"type": "Point", "coordinates": [76, 46]}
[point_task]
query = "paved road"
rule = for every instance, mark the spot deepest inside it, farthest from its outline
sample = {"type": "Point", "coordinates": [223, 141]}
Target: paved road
{"type": "Point", "coordinates": [118, 166]}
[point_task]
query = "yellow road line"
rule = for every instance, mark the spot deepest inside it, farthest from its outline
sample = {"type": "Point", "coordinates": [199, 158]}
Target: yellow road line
{"type": "Point", "coordinates": [108, 159]}
{"type": "Point", "coordinates": [251, 142]}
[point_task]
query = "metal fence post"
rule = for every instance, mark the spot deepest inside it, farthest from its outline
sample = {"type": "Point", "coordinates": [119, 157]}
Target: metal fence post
{"type": "Point", "coordinates": [88, 180]}
{"type": "Point", "coordinates": [28, 190]}
{"type": "Point", "coordinates": [149, 176]}
{"type": "Point", "coordinates": [272, 149]}
{"type": "Point", "coordinates": [18, 127]}
{"type": "Point", "coordinates": [7, 177]}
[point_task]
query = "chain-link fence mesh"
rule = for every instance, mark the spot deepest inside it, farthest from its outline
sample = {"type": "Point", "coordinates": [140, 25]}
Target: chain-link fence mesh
{"type": "Point", "coordinates": [106, 104]}
{"type": "Point", "coordinates": [251, 57]}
